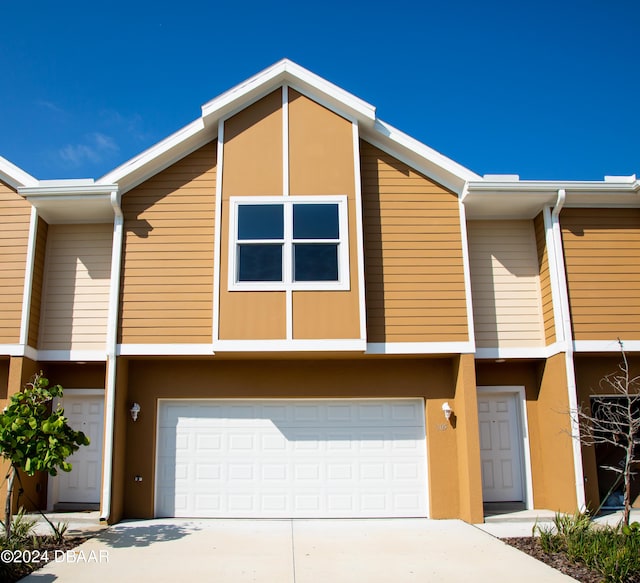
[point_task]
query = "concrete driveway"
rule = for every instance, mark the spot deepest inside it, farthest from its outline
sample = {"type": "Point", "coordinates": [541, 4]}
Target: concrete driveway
{"type": "Point", "coordinates": [295, 551]}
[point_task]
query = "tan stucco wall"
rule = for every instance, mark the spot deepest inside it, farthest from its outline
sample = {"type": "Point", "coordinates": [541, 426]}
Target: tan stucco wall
{"type": "Point", "coordinates": [434, 379]}
{"type": "Point", "coordinates": [550, 444]}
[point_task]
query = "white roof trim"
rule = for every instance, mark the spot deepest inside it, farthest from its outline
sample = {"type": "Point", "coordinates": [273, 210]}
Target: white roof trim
{"type": "Point", "coordinates": [285, 72]}
{"type": "Point", "coordinates": [14, 176]}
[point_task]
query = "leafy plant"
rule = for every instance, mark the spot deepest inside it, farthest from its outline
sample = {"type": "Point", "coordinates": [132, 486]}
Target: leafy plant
{"type": "Point", "coordinates": [33, 437]}
{"type": "Point", "coordinates": [614, 551]}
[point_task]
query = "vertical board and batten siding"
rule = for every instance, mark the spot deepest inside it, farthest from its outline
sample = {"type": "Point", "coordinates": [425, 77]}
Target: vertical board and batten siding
{"type": "Point", "coordinates": [601, 248]}
{"type": "Point", "coordinates": [505, 284]}
{"type": "Point", "coordinates": [15, 216]}
{"type": "Point", "coordinates": [414, 271]}
{"type": "Point", "coordinates": [546, 292]}
{"type": "Point", "coordinates": [76, 287]}
{"type": "Point", "coordinates": [167, 270]}
{"type": "Point", "coordinates": [321, 162]}
{"type": "Point", "coordinates": [38, 279]}
{"type": "Point", "coordinates": [253, 166]}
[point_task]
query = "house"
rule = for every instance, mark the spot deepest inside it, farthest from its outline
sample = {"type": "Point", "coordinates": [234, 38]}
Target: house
{"type": "Point", "coordinates": [289, 308]}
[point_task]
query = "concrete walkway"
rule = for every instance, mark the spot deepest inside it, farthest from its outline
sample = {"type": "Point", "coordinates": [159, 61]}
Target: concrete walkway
{"type": "Point", "coordinates": [296, 551]}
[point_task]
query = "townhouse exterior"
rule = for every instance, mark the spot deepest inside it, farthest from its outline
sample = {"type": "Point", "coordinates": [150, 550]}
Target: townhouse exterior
{"type": "Point", "coordinates": [289, 308]}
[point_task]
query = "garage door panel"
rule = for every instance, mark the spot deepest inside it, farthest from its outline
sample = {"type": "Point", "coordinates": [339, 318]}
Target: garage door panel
{"type": "Point", "coordinates": [291, 459]}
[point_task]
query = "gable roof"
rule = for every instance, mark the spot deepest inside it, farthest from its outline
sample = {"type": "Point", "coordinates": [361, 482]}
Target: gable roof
{"type": "Point", "coordinates": [14, 176]}
{"type": "Point", "coordinates": [285, 72]}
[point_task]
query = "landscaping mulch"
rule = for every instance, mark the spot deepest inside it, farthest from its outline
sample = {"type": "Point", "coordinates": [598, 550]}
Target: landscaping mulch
{"type": "Point", "coordinates": [10, 573]}
{"type": "Point", "coordinates": [559, 561]}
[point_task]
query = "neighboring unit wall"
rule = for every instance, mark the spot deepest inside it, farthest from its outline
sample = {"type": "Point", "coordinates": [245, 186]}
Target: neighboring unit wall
{"type": "Point", "coordinates": [76, 287]}
{"type": "Point", "coordinates": [505, 284]}
{"type": "Point", "coordinates": [545, 280]}
{"type": "Point", "coordinates": [591, 369]}
{"type": "Point", "coordinates": [15, 216]}
{"type": "Point", "coordinates": [601, 249]}
{"type": "Point", "coordinates": [167, 271]}
{"type": "Point", "coordinates": [413, 254]}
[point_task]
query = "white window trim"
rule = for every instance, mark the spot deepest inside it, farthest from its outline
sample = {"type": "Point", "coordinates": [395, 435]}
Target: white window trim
{"type": "Point", "coordinates": [343, 283]}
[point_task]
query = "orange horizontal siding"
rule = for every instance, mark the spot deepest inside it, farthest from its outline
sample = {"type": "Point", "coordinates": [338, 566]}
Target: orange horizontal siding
{"type": "Point", "coordinates": [167, 273]}
{"type": "Point", "coordinates": [15, 214]}
{"type": "Point", "coordinates": [415, 285]}
{"type": "Point", "coordinates": [601, 248]}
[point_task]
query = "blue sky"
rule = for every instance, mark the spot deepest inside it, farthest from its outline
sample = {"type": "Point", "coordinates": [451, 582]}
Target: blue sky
{"type": "Point", "coordinates": [545, 89]}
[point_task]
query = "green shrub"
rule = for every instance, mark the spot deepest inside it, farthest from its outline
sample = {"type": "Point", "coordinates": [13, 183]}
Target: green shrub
{"type": "Point", "coordinates": [612, 551]}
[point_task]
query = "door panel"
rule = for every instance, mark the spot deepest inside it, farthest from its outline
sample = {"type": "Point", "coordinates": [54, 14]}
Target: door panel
{"type": "Point", "coordinates": [500, 448]}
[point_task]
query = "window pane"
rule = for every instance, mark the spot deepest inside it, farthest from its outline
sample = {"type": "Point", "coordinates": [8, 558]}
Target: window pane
{"type": "Point", "coordinates": [260, 263]}
{"type": "Point", "coordinates": [315, 221]}
{"type": "Point", "coordinates": [315, 262]}
{"type": "Point", "coordinates": [260, 221]}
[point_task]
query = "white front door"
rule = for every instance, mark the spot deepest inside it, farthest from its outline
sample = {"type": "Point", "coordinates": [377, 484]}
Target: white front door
{"type": "Point", "coordinates": [292, 458]}
{"type": "Point", "coordinates": [500, 448]}
{"type": "Point", "coordinates": [82, 484]}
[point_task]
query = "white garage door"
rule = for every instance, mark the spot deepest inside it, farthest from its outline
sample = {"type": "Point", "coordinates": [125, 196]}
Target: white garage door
{"type": "Point", "coordinates": [291, 458]}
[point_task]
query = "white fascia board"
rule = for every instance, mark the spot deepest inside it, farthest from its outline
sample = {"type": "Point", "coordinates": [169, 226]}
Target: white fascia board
{"type": "Point", "coordinates": [420, 348]}
{"type": "Point", "coordinates": [287, 72]}
{"type": "Point", "coordinates": [519, 352]}
{"type": "Point", "coordinates": [164, 350]}
{"type": "Point", "coordinates": [337, 345]}
{"type": "Point", "coordinates": [61, 190]}
{"type": "Point", "coordinates": [606, 346]}
{"type": "Point", "coordinates": [418, 156]}
{"type": "Point", "coordinates": [14, 176]}
{"type": "Point", "coordinates": [159, 156]}
{"type": "Point", "coordinates": [552, 186]}
{"type": "Point", "coordinates": [72, 355]}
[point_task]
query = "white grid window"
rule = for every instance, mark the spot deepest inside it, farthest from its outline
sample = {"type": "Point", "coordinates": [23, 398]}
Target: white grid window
{"type": "Point", "coordinates": [281, 243]}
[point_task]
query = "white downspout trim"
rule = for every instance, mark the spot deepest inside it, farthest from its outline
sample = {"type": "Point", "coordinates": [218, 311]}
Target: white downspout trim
{"type": "Point", "coordinates": [112, 338]}
{"type": "Point", "coordinates": [561, 278]}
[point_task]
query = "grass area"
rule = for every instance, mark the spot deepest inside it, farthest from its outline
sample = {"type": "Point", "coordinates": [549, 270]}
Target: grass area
{"type": "Point", "coordinates": [613, 551]}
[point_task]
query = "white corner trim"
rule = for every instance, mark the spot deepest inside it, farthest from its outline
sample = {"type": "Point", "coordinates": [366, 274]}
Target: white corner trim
{"type": "Point", "coordinates": [567, 332]}
{"type": "Point", "coordinates": [218, 235]}
{"type": "Point", "coordinates": [420, 348]}
{"type": "Point", "coordinates": [324, 345]}
{"type": "Point", "coordinates": [164, 349]}
{"type": "Point", "coordinates": [519, 393]}
{"type": "Point", "coordinates": [466, 264]}
{"type": "Point", "coordinates": [362, 303]}
{"type": "Point", "coordinates": [28, 277]}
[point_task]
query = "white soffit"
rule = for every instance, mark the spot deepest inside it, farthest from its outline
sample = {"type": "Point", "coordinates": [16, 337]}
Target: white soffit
{"type": "Point", "coordinates": [511, 199]}
{"type": "Point", "coordinates": [71, 201]}
{"type": "Point", "coordinates": [285, 72]}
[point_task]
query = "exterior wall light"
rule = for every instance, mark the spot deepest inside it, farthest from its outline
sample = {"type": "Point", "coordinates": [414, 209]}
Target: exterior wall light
{"type": "Point", "coordinates": [446, 408]}
{"type": "Point", "coordinates": [135, 409]}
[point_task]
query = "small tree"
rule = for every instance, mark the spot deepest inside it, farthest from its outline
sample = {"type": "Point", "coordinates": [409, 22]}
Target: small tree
{"type": "Point", "coordinates": [33, 437]}
{"type": "Point", "coordinates": [615, 422]}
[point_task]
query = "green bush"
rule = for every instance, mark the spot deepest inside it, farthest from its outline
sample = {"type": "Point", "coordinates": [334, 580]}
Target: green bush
{"type": "Point", "coordinates": [614, 551]}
